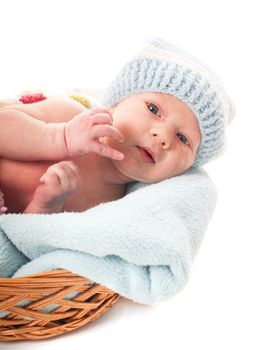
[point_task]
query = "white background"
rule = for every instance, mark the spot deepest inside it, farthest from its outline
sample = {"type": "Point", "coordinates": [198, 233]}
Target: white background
{"type": "Point", "coordinates": [67, 44]}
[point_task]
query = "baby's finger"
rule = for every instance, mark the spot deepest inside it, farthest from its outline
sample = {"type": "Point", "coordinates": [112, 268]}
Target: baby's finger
{"type": "Point", "coordinates": [107, 151]}
{"type": "Point", "coordinates": [72, 167]}
{"type": "Point", "coordinates": [55, 175]}
{"type": "Point", "coordinates": [107, 130]}
{"type": "Point", "coordinates": [98, 110]}
{"type": "Point", "coordinates": [101, 118]}
{"type": "Point", "coordinates": [50, 178]}
{"type": "Point", "coordinates": [73, 178]}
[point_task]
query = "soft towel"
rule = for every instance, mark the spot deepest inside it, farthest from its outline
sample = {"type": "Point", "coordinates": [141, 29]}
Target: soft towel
{"type": "Point", "coordinates": [141, 246]}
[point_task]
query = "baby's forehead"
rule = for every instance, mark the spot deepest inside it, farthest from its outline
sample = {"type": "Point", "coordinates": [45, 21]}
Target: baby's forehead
{"type": "Point", "coordinates": [160, 97]}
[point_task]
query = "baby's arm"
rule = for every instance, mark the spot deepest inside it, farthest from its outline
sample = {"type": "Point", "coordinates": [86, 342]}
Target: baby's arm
{"type": "Point", "coordinates": [27, 138]}
{"type": "Point", "coordinates": [58, 183]}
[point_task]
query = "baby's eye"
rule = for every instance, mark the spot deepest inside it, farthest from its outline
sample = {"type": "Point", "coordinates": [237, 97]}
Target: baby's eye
{"type": "Point", "coordinates": [153, 108]}
{"type": "Point", "coordinates": [183, 139]}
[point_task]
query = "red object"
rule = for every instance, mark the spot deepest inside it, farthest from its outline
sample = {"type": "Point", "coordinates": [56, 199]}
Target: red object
{"type": "Point", "coordinates": [31, 98]}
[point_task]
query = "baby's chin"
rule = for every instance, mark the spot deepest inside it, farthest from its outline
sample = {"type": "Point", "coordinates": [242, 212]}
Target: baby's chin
{"type": "Point", "coordinates": [132, 173]}
{"type": "Point", "coordinates": [125, 174]}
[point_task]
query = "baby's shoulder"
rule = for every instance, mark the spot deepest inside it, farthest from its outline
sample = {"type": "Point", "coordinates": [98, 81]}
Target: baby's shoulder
{"type": "Point", "coordinates": [51, 110]}
{"type": "Point", "coordinates": [59, 109]}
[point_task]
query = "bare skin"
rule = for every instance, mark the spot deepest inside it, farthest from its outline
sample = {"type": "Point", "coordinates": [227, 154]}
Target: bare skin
{"type": "Point", "coordinates": [63, 166]}
{"type": "Point", "coordinates": [28, 160]}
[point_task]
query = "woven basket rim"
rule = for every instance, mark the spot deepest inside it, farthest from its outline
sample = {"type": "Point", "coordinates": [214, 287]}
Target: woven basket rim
{"type": "Point", "coordinates": [50, 289]}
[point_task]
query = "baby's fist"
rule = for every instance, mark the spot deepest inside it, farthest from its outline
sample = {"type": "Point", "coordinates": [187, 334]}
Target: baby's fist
{"type": "Point", "coordinates": [83, 133]}
{"type": "Point", "coordinates": [58, 183]}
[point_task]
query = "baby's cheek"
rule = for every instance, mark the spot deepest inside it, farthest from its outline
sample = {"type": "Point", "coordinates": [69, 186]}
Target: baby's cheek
{"type": "Point", "coordinates": [130, 132]}
{"type": "Point", "coordinates": [176, 163]}
{"type": "Point", "coordinates": [185, 163]}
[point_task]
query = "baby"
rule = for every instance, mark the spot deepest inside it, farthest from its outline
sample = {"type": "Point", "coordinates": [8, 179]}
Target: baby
{"type": "Point", "coordinates": [164, 113]}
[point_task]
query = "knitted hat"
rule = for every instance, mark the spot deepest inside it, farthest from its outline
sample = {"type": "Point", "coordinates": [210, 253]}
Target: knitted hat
{"type": "Point", "coordinates": [161, 67]}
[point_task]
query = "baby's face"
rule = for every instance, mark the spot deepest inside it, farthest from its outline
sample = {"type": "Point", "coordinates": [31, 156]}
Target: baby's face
{"type": "Point", "coordinates": [162, 123]}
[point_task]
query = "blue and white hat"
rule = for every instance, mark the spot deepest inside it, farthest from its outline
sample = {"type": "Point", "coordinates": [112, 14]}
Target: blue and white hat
{"type": "Point", "coordinates": [161, 67]}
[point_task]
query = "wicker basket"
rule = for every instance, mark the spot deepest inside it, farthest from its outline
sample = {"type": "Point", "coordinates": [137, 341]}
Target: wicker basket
{"type": "Point", "coordinates": [43, 290]}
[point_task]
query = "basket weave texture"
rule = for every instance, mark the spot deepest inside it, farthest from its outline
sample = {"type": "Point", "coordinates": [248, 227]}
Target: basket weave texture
{"type": "Point", "coordinates": [43, 290]}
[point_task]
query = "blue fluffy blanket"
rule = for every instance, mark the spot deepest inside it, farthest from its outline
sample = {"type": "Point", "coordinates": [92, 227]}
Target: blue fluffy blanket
{"type": "Point", "coordinates": [141, 246]}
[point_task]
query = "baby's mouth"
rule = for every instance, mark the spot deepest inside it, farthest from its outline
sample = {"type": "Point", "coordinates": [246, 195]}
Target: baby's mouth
{"type": "Point", "coordinates": [145, 155]}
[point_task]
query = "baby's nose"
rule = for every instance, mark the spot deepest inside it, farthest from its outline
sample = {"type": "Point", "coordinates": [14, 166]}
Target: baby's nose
{"type": "Point", "coordinates": [163, 139]}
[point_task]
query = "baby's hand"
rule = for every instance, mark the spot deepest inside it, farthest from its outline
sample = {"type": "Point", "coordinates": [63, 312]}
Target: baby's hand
{"type": "Point", "coordinates": [82, 134]}
{"type": "Point", "coordinates": [2, 202]}
{"type": "Point", "coordinates": [58, 183]}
